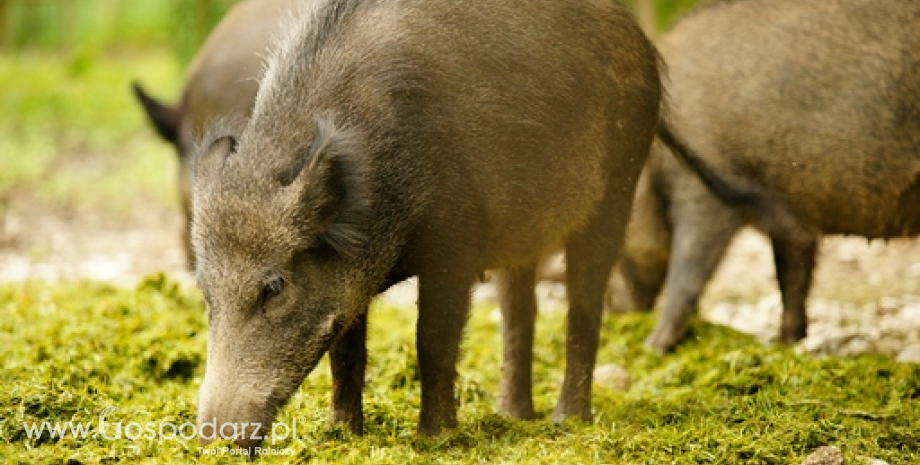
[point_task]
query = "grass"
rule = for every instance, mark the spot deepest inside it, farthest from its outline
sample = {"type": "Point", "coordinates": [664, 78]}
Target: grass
{"type": "Point", "coordinates": [71, 350]}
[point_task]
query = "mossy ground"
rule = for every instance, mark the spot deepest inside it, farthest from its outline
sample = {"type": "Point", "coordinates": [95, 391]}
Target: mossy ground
{"type": "Point", "coordinates": [71, 350]}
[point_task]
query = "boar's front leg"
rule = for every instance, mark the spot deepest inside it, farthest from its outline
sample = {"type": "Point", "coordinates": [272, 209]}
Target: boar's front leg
{"type": "Point", "coordinates": [795, 264]}
{"type": "Point", "coordinates": [519, 310]}
{"type": "Point", "coordinates": [348, 358]}
{"type": "Point", "coordinates": [444, 300]}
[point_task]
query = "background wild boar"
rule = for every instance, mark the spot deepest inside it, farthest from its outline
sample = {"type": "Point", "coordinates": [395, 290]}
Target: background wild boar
{"type": "Point", "coordinates": [431, 138]}
{"type": "Point", "coordinates": [816, 101]}
{"type": "Point", "coordinates": [222, 83]}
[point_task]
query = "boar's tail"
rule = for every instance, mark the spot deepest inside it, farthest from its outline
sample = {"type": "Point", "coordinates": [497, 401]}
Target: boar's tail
{"type": "Point", "coordinates": [775, 216]}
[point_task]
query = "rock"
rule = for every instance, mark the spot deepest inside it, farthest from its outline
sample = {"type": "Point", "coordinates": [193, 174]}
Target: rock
{"type": "Point", "coordinates": [404, 294]}
{"type": "Point", "coordinates": [911, 354]}
{"type": "Point", "coordinates": [826, 455]}
{"type": "Point", "coordinates": [910, 315]}
{"type": "Point", "coordinates": [870, 461]}
{"type": "Point", "coordinates": [859, 344]}
{"type": "Point", "coordinates": [612, 376]}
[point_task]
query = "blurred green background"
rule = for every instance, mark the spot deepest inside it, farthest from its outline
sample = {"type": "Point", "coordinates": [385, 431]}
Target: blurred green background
{"type": "Point", "coordinates": [71, 135]}
{"type": "Point", "coordinates": [91, 26]}
{"type": "Point", "coordinates": [68, 25]}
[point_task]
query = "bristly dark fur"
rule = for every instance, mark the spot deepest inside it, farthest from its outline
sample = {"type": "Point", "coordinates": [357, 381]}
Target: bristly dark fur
{"type": "Point", "coordinates": [805, 101]}
{"type": "Point", "coordinates": [429, 138]}
{"type": "Point", "coordinates": [328, 18]}
{"type": "Point", "coordinates": [311, 35]}
{"type": "Point", "coordinates": [226, 127]}
{"type": "Point", "coordinates": [776, 216]}
{"type": "Point", "coordinates": [335, 155]}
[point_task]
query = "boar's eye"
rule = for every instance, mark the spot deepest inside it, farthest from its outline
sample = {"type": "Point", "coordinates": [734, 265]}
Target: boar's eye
{"type": "Point", "coordinates": [270, 290]}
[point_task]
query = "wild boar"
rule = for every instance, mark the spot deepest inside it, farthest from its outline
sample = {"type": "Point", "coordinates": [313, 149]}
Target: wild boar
{"type": "Point", "coordinates": [817, 102]}
{"type": "Point", "coordinates": [429, 138]}
{"type": "Point", "coordinates": [222, 83]}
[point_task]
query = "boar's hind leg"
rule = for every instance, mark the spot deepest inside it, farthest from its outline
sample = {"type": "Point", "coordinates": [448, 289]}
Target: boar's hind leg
{"type": "Point", "coordinates": [703, 228]}
{"type": "Point", "coordinates": [444, 299]}
{"type": "Point", "coordinates": [637, 280]}
{"type": "Point", "coordinates": [348, 358]}
{"type": "Point", "coordinates": [795, 263]}
{"type": "Point", "coordinates": [590, 256]}
{"type": "Point", "coordinates": [519, 308]}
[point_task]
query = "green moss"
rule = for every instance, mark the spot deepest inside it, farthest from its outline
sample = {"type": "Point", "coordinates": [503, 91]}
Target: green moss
{"type": "Point", "coordinates": [71, 350]}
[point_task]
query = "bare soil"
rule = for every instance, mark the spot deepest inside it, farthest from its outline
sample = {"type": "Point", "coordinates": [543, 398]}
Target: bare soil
{"type": "Point", "coordinates": [39, 240]}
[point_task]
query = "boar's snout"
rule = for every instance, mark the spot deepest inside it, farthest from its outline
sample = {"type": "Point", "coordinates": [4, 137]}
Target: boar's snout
{"type": "Point", "coordinates": [246, 434]}
{"type": "Point", "coordinates": [232, 417]}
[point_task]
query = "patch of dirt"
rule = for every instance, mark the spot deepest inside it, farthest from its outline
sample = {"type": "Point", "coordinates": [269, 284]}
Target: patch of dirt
{"type": "Point", "coordinates": [39, 240]}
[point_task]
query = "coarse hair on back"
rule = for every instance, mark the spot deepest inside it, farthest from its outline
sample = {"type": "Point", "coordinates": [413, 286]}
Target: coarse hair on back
{"type": "Point", "coordinates": [303, 34]}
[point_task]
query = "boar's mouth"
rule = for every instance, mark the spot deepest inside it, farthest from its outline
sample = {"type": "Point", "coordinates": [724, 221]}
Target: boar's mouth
{"type": "Point", "coordinates": [264, 408]}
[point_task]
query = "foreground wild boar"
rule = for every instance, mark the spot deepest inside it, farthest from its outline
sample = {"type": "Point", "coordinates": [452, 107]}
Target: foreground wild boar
{"type": "Point", "coordinates": [816, 101]}
{"type": "Point", "coordinates": [222, 83]}
{"type": "Point", "coordinates": [433, 138]}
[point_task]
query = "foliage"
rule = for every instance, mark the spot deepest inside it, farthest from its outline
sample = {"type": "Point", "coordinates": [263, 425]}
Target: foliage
{"type": "Point", "coordinates": [74, 124]}
{"type": "Point", "coordinates": [182, 25]}
{"type": "Point", "coordinates": [94, 26]}
{"type": "Point", "coordinates": [73, 349]}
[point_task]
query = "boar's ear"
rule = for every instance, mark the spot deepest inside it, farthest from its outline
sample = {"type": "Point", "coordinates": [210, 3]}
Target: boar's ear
{"type": "Point", "coordinates": [209, 159]}
{"type": "Point", "coordinates": [217, 143]}
{"type": "Point", "coordinates": [165, 118]}
{"type": "Point", "coordinates": [332, 187]}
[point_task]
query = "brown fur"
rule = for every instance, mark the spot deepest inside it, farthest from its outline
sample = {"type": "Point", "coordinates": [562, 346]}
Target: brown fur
{"type": "Point", "coordinates": [426, 138]}
{"type": "Point", "coordinates": [816, 101]}
{"type": "Point", "coordinates": [221, 82]}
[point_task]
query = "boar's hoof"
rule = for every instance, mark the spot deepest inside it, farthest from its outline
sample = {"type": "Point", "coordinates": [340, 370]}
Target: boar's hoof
{"type": "Point", "coordinates": [663, 339]}
{"type": "Point", "coordinates": [792, 335]}
{"type": "Point", "coordinates": [564, 412]}
{"type": "Point", "coordinates": [354, 422]}
{"type": "Point", "coordinates": [434, 428]}
{"type": "Point", "coordinates": [522, 411]}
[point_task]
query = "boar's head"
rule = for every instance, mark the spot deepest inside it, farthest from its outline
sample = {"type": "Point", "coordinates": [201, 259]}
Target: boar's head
{"type": "Point", "coordinates": [279, 232]}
